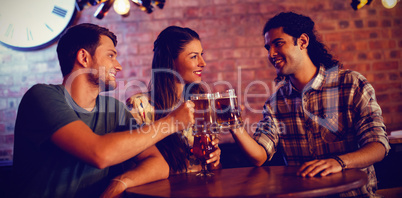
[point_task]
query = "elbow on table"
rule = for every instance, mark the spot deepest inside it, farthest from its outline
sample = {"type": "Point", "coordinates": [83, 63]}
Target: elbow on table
{"type": "Point", "coordinates": [165, 170]}
{"type": "Point", "coordinates": [258, 163]}
{"type": "Point", "coordinates": [259, 160]}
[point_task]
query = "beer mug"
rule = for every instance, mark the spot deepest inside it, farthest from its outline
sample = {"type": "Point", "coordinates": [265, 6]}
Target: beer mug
{"type": "Point", "coordinates": [204, 129]}
{"type": "Point", "coordinates": [205, 118]}
{"type": "Point", "coordinates": [228, 113]}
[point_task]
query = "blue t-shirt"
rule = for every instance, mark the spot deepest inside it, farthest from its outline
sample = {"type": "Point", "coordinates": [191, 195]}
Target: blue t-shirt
{"type": "Point", "coordinates": [41, 169]}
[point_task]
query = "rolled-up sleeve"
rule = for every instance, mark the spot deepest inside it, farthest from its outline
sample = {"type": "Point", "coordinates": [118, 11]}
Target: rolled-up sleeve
{"type": "Point", "coordinates": [265, 133]}
{"type": "Point", "coordinates": [370, 124]}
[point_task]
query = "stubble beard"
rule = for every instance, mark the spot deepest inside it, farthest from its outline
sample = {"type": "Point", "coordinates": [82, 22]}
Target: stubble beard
{"type": "Point", "coordinates": [103, 84]}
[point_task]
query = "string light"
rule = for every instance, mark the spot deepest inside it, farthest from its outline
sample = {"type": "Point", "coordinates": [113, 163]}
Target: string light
{"type": "Point", "coordinates": [389, 3]}
{"type": "Point", "coordinates": [122, 7]}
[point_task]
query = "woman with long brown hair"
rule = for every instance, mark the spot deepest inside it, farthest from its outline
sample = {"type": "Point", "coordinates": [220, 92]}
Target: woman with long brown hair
{"type": "Point", "coordinates": [176, 73]}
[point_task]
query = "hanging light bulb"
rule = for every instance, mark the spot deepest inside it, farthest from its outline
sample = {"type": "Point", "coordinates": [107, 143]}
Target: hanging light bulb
{"type": "Point", "coordinates": [122, 7]}
{"type": "Point", "coordinates": [389, 3]}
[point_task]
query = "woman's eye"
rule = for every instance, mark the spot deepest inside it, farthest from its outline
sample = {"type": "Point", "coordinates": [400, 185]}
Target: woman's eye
{"type": "Point", "coordinates": [193, 57]}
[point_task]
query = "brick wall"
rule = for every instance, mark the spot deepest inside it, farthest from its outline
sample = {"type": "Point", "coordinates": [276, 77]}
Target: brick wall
{"type": "Point", "coordinates": [368, 40]}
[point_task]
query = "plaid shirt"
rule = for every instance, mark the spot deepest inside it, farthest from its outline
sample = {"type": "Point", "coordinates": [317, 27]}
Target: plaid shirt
{"type": "Point", "coordinates": [336, 113]}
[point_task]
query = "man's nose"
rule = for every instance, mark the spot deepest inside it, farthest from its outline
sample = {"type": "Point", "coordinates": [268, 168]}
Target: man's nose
{"type": "Point", "coordinates": [272, 53]}
{"type": "Point", "coordinates": [118, 67]}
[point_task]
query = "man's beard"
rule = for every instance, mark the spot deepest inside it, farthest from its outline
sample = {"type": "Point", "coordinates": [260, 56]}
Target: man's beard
{"type": "Point", "coordinates": [101, 83]}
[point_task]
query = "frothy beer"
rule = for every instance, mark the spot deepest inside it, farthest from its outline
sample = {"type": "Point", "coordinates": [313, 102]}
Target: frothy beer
{"type": "Point", "coordinates": [202, 113]}
{"type": "Point", "coordinates": [227, 111]}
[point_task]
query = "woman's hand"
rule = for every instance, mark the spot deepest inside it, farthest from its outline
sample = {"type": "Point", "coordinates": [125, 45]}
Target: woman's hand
{"type": "Point", "coordinates": [216, 155]}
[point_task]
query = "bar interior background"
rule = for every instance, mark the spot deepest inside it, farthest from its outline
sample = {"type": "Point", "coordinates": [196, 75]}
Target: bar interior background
{"type": "Point", "coordinates": [368, 40]}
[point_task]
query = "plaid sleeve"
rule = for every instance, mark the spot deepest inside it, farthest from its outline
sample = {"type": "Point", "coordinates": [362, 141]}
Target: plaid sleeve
{"type": "Point", "coordinates": [369, 125]}
{"type": "Point", "coordinates": [265, 133]}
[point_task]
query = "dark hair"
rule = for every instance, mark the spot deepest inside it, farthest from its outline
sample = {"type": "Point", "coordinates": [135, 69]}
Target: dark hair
{"type": "Point", "coordinates": [295, 25]}
{"type": "Point", "coordinates": [83, 36]}
{"type": "Point", "coordinates": [167, 47]}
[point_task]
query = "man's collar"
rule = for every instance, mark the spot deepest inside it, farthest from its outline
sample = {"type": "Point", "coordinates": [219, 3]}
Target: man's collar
{"type": "Point", "coordinates": [315, 83]}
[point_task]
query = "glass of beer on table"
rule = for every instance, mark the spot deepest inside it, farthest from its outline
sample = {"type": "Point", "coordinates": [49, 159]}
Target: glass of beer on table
{"type": "Point", "coordinates": [204, 129]}
{"type": "Point", "coordinates": [203, 147]}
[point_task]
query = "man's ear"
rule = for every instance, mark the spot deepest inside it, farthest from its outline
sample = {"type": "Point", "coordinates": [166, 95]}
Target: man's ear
{"type": "Point", "coordinates": [83, 57]}
{"type": "Point", "coordinates": [303, 41]}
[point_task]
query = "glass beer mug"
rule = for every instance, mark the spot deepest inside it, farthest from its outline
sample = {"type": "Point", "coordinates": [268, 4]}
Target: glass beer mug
{"type": "Point", "coordinates": [228, 112]}
{"type": "Point", "coordinates": [203, 129]}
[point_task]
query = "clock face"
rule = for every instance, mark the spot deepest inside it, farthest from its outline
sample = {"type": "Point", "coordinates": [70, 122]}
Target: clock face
{"type": "Point", "coordinates": [34, 24]}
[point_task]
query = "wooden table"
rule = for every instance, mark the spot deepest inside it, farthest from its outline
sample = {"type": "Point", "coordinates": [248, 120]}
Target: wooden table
{"type": "Point", "coordinates": [395, 140]}
{"type": "Point", "coordinates": [267, 181]}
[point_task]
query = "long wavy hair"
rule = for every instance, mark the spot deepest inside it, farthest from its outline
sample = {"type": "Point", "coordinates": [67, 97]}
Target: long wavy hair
{"type": "Point", "coordinates": [163, 91]}
{"type": "Point", "coordinates": [295, 25]}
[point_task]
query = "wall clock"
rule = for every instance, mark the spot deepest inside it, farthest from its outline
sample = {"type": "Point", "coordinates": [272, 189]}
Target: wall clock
{"type": "Point", "coordinates": [34, 24]}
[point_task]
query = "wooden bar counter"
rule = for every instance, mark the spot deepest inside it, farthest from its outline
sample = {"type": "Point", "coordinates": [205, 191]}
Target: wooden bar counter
{"type": "Point", "coordinates": [267, 181]}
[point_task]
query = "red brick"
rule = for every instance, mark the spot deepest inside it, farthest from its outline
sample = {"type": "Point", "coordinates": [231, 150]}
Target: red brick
{"type": "Point", "coordinates": [182, 3]}
{"type": "Point", "coordinates": [346, 56]}
{"type": "Point", "coordinates": [382, 98]}
{"type": "Point", "coordinates": [145, 48]}
{"type": "Point", "coordinates": [359, 67]}
{"type": "Point", "coordinates": [366, 34]}
{"type": "Point", "coordinates": [211, 54]}
{"type": "Point", "coordinates": [338, 36]}
{"type": "Point", "coordinates": [247, 75]}
{"type": "Point", "coordinates": [382, 44]}
{"type": "Point", "coordinates": [208, 11]}
{"type": "Point", "coordinates": [251, 63]}
{"type": "Point", "coordinates": [393, 54]}
{"type": "Point", "coordinates": [322, 5]}
{"type": "Point", "coordinates": [372, 23]}
{"type": "Point", "coordinates": [139, 37]}
{"type": "Point", "coordinates": [246, 41]}
{"type": "Point", "coordinates": [217, 43]}
{"type": "Point", "coordinates": [223, 65]}
{"type": "Point", "coordinates": [353, 46]}
{"type": "Point", "coordinates": [192, 12]}
{"type": "Point", "coordinates": [397, 33]}
{"type": "Point", "coordinates": [168, 13]}
{"type": "Point", "coordinates": [390, 65]}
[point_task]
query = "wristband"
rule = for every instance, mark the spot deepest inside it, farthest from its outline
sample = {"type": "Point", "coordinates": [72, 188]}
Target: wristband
{"type": "Point", "coordinates": [124, 183]}
{"type": "Point", "coordinates": [340, 161]}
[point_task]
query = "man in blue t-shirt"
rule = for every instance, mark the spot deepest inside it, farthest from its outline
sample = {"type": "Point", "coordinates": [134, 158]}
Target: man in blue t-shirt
{"type": "Point", "coordinates": [67, 136]}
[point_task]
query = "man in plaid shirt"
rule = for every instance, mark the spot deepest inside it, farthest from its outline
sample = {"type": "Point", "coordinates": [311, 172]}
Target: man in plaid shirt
{"type": "Point", "coordinates": [321, 117]}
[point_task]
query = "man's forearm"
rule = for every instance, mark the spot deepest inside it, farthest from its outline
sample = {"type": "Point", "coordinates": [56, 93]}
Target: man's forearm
{"type": "Point", "coordinates": [121, 146]}
{"type": "Point", "coordinates": [256, 152]}
{"type": "Point", "coordinates": [367, 155]}
{"type": "Point", "coordinates": [150, 166]}
{"type": "Point", "coordinates": [147, 170]}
